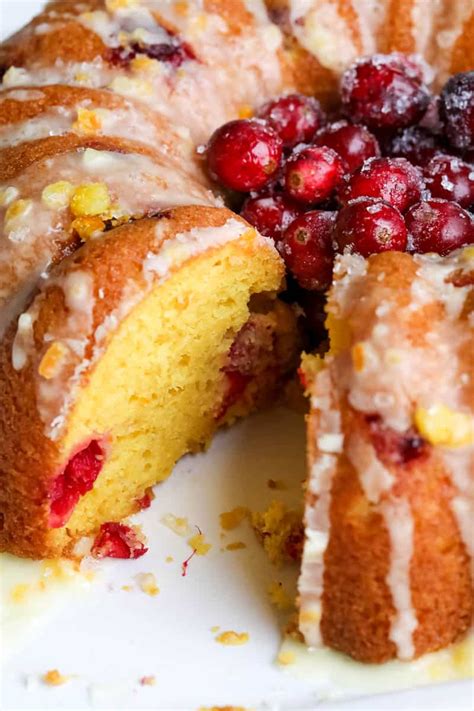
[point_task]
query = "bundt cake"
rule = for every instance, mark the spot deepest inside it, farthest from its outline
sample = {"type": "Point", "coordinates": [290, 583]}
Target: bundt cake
{"type": "Point", "coordinates": [138, 313]}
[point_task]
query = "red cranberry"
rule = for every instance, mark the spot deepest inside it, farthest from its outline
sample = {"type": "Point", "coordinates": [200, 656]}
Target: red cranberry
{"type": "Point", "coordinates": [173, 53]}
{"type": "Point", "coordinates": [354, 144]}
{"type": "Point", "coordinates": [450, 178]}
{"type": "Point", "coordinates": [395, 447]}
{"type": "Point", "coordinates": [312, 174]}
{"type": "Point", "coordinates": [295, 118]}
{"type": "Point", "coordinates": [307, 249]}
{"type": "Point", "coordinates": [416, 144]}
{"type": "Point", "coordinates": [384, 91]}
{"type": "Point", "coordinates": [457, 110]}
{"type": "Point", "coordinates": [244, 155]}
{"type": "Point", "coordinates": [144, 502]}
{"type": "Point", "coordinates": [235, 385]}
{"type": "Point", "coordinates": [270, 214]}
{"type": "Point", "coordinates": [394, 180]}
{"type": "Point", "coordinates": [77, 479]}
{"type": "Point", "coordinates": [368, 226]}
{"type": "Point", "coordinates": [115, 540]}
{"type": "Point", "coordinates": [438, 226]}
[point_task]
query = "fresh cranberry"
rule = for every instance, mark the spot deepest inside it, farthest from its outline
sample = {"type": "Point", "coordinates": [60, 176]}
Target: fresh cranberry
{"type": "Point", "coordinates": [457, 110]}
{"type": "Point", "coordinates": [77, 479]}
{"type": "Point", "coordinates": [438, 226]}
{"type": "Point", "coordinates": [354, 144]}
{"type": "Point", "coordinates": [312, 174]}
{"type": "Point", "coordinates": [384, 91]}
{"type": "Point", "coordinates": [307, 249]}
{"type": "Point", "coordinates": [468, 156]}
{"type": "Point", "coordinates": [450, 178]}
{"type": "Point", "coordinates": [394, 180]}
{"type": "Point", "coordinates": [415, 143]}
{"type": "Point", "coordinates": [244, 155]}
{"type": "Point", "coordinates": [115, 540]}
{"type": "Point", "coordinates": [295, 118]}
{"type": "Point", "coordinates": [393, 447]}
{"type": "Point", "coordinates": [270, 214]}
{"type": "Point", "coordinates": [368, 226]}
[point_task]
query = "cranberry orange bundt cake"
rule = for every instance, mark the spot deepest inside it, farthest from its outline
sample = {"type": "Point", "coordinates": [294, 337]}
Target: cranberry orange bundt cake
{"type": "Point", "coordinates": [387, 563]}
{"type": "Point", "coordinates": [138, 314]}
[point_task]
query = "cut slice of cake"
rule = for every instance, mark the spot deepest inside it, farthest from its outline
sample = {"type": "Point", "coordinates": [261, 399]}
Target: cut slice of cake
{"type": "Point", "coordinates": [134, 350]}
{"type": "Point", "coordinates": [387, 562]}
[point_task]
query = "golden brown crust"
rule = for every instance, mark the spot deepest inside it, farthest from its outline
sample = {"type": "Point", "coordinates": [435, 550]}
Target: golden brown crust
{"type": "Point", "coordinates": [462, 59]}
{"type": "Point", "coordinates": [28, 459]}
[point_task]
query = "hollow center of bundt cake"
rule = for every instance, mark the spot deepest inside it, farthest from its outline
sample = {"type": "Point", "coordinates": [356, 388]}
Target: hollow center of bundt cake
{"type": "Point", "coordinates": [157, 387]}
{"type": "Point", "coordinates": [75, 480]}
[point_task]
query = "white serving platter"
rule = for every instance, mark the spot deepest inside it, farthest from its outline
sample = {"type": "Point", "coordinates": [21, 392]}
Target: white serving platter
{"type": "Point", "coordinates": [105, 639]}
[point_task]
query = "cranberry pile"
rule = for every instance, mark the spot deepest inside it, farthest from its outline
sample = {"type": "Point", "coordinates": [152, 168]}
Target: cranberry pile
{"type": "Point", "coordinates": [393, 171]}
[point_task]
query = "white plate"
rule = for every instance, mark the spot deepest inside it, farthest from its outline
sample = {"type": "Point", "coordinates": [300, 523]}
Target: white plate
{"type": "Point", "coordinates": [106, 639]}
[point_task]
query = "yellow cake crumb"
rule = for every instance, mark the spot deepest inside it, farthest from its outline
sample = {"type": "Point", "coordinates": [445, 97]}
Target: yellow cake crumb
{"type": "Point", "coordinates": [231, 519]}
{"type": "Point", "coordinates": [54, 678]}
{"type": "Point", "coordinates": [169, 559]}
{"type": "Point", "coordinates": [198, 543]}
{"type": "Point", "coordinates": [280, 530]}
{"type": "Point", "coordinates": [113, 5]}
{"type": "Point", "coordinates": [235, 546]}
{"type": "Point", "coordinates": [131, 87]}
{"type": "Point", "coordinates": [440, 425]}
{"type": "Point", "coordinates": [145, 64]}
{"type": "Point", "coordinates": [148, 680]}
{"type": "Point", "coordinates": [127, 588]}
{"type": "Point", "coordinates": [87, 227]}
{"type": "Point", "coordinates": [53, 360]}
{"type": "Point", "coordinates": [88, 122]}
{"type": "Point", "coordinates": [232, 639]}
{"type": "Point", "coordinates": [286, 658]}
{"type": "Point", "coordinates": [310, 366]}
{"type": "Point", "coordinates": [90, 199]}
{"type": "Point", "coordinates": [147, 583]}
{"type": "Point", "coordinates": [177, 524]}
{"type": "Point", "coordinates": [215, 629]}
{"type": "Point", "coordinates": [468, 254]}
{"type": "Point", "coordinates": [222, 708]}
{"type": "Point", "coordinates": [19, 592]}
{"type": "Point", "coordinates": [279, 597]}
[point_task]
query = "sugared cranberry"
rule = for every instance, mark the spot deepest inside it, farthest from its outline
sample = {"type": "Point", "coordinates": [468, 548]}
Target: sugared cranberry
{"type": "Point", "coordinates": [394, 180]}
{"type": "Point", "coordinates": [244, 155]}
{"type": "Point", "coordinates": [354, 144]}
{"type": "Point", "coordinates": [295, 118]}
{"type": "Point", "coordinates": [116, 540]}
{"type": "Point", "coordinates": [416, 144]}
{"type": "Point", "coordinates": [307, 249]}
{"type": "Point", "coordinates": [76, 480]}
{"type": "Point", "coordinates": [368, 226]}
{"type": "Point", "coordinates": [384, 91]}
{"type": "Point", "coordinates": [270, 214]}
{"type": "Point", "coordinates": [457, 110]}
{"type": "Point", "coordinates": [312, 174]}
{"type": "Point", "coordinates": [393, 447]}
{"type": "Point", "coordinates": [450, 178]}
{"type": "Point", "coordinates": [438, 226]}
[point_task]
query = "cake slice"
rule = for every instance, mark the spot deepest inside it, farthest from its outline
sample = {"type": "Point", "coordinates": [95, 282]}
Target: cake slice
{"type": "Point", "coordinates": [133, 351]}
{"type": "Point", "coordinates": [387, 563]}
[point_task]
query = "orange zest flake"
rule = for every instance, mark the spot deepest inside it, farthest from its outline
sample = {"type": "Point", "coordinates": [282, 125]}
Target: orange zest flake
{"type": "Point", "coordinates": [54, 678]}
{"type": "Point", "coordinates": [19, 592]}
{"type": "Point", "coordinates": [87, 227]}
{"type": "Point", "coordinates": [148, 680]}
{"type": "Point", "coordinates": [231, 519]}
{"type": "Point", "coordinates": [235, 546]}
{"type": "Point", "coordinates": [358, 357]}
{"type": "Point", "coordinates": [232, 639]}
{"type": "Point", "coordinates": [52, 360]}
{"type": "Point", "coordinates": [88, 122]}
{"type": "Point", "coordinates": [245, 111]}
